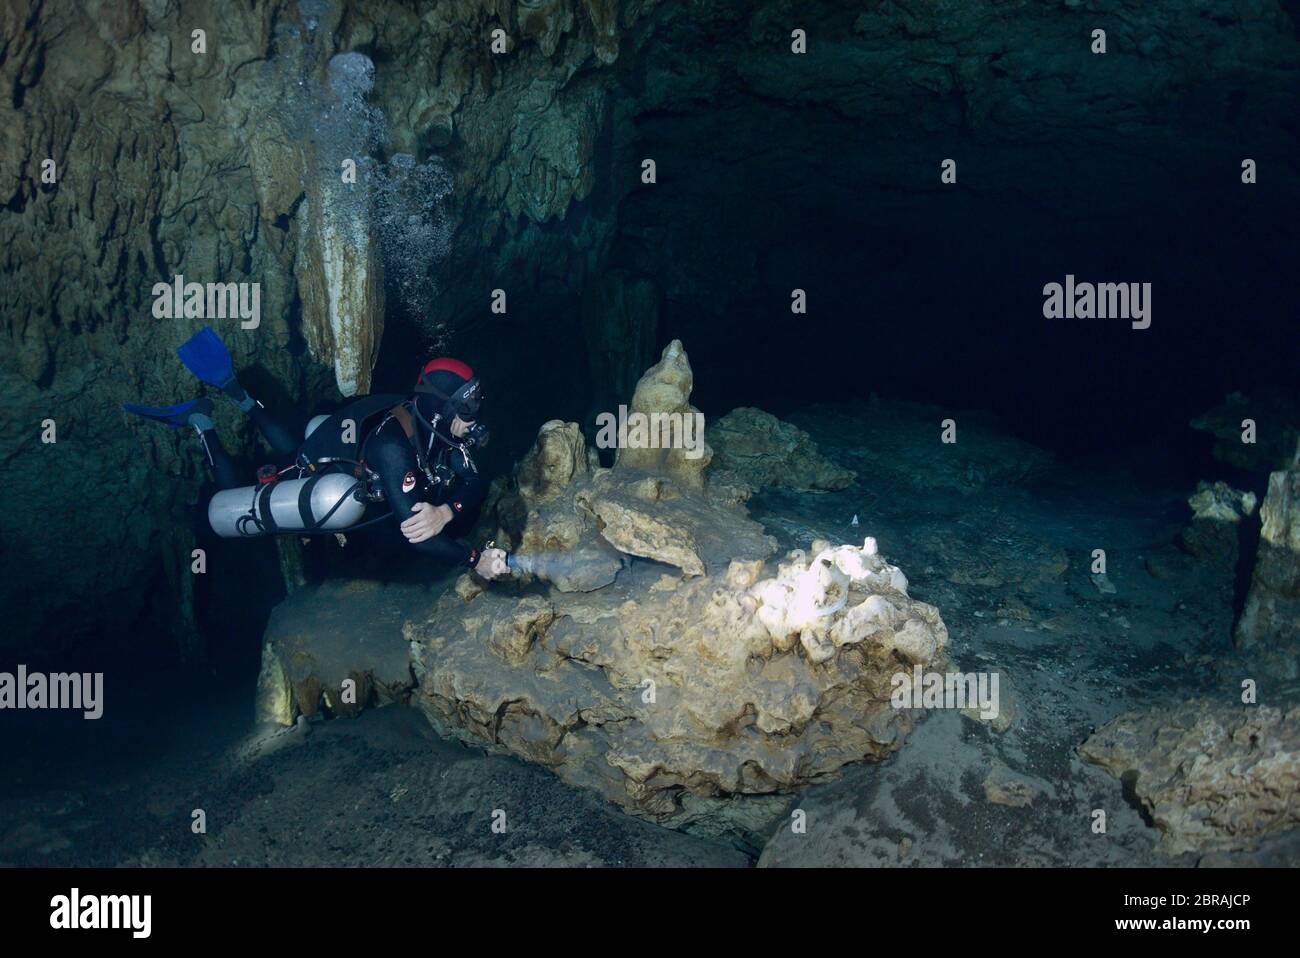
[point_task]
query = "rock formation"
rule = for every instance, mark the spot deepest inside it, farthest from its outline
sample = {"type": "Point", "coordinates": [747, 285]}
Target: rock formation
{"type": "Point", "coordinates": [1219, 502]}
{"type": "Point", "coordinates": [1271, 616]}
{"type": "Point", "coordinates": [1008, 707]}
{"type": "Point", "coordinates": [662, 395]}
{"type": "Point", "coordinates": [580, 521]}
{"type": "Point", "coordinates": [1275, 415]}
{"type": "Point", "coordinates": [338, 269]}
{"type": "Point", "coordinates": [1003, 786]}
{"type": "Point", "coordinates": [761, 450]}
{"type": "Point", "coordinates": [1210, 776]}
{"type": "Point", "coordinates": [335, 648]}
{"type": "Point", "coordinates": [1217, 514]}
{"type": "Point", "coordinates": [667, 663]}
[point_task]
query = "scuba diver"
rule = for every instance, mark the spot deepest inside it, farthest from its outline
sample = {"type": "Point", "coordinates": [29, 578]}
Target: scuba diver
{"type": "Point", "coordinates": [413, 453]}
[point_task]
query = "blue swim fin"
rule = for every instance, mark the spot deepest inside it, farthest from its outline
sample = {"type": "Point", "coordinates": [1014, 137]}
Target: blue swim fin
{"type": "Point", "coordinates": [206, 356]}
{"type": "Point", "coordinates": [175, 416]}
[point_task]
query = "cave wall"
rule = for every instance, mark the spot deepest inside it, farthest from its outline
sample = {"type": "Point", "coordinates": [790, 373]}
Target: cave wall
{"type": "Point", "coordinates": [152, 181]}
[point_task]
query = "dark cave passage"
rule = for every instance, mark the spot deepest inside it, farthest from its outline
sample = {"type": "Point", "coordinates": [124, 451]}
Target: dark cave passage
{"type": "Point", "coordinates": [933, 292]}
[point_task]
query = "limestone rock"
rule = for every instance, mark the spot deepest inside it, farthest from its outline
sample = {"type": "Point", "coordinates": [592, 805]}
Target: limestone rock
{"type": "Point", "coordinates": [640, 532]}
{"type": "Point", "coordinates": [513, 638]}
{"type": "Point", "coordinates": [307, 130]}
{"type": "Point", "coordinates": [341, 284]}
{"type": "Point", "coordinates": [468, 586]}
{"type": "Point", "coordinates": [654, 518]}
{"type": "Point", "coordinates": [1277, 419]}
{"type": "Point", "coordinates": [665, 390]}
{"type": "Point", "coordinates": [1007, 706]}
{"type": "Point", "coordinates": [576, 525]}
{"type": "Point", "coordinates": [537, 518]}
{"type": "Point", "coordinates": [1212, 776]}
{"type": "Point", "coordinates": [1271, 616]}
{"type": "Point", "coordinates": [764, 451]}
{"type": "Point", "coordinates": [1213, 533]}
{"type": "Point", "coordinates": [557, 458]}
{"type": "Point", "coordinates": [1002, 786]}
{"type": "Point", "coordinates": [1219, 502]}
{"type": "Point", "coordinates": [323, 636]}
{"type": "Point", "coordinates": [752, 680]}
{"type": "Point", "coordinates": [669, 694]}
{"type": "Point", "coordinates": [274, 702]}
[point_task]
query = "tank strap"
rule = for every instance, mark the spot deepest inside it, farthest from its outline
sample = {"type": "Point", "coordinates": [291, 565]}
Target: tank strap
{"type": "Point", "coordinates": [407, 422]}
{"type": "Point", "coordinates": [309, 522]}
{"type": "Point", "coordinates": [262, 509]}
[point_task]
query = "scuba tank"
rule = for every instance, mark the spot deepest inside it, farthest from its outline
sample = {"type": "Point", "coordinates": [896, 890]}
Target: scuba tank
{"type": "Point", "coordinates": [314, 502]}
{"type": "Point", "coordinates": [323, 502]}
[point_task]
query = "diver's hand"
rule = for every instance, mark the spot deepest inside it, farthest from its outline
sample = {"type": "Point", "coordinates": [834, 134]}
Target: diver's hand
{"type": "Point", "coordinates": [492, 563]}
{"type": "Point", "coordinates": [427, 522]}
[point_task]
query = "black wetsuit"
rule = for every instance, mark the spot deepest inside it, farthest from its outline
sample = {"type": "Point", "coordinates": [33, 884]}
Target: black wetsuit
{"type": "Point", "coordinates": [380, 442]}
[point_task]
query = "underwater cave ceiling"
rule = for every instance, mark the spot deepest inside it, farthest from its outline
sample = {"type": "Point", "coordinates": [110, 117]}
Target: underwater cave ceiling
{"type": "Point", "coordinates": [219, 167]}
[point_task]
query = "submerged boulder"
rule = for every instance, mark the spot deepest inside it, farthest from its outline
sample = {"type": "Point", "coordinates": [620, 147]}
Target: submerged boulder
{"type": "Point", "coordinates": [1269, 418]}
{"type": "Point", "coordinates": [1217, 514]}
{"type": "Point", "coordinates": [668, 699]}
{"type": "Point", "coordinates": [656, 654]}
{"type": "Point", "coordinates": [1212, 776]}
{"type": "Point", "coordinates": [1219, 502]}
{"type": "Point", "coordinates": [762, 450]}
{"type": "Point", "coordinates": [335, 648]}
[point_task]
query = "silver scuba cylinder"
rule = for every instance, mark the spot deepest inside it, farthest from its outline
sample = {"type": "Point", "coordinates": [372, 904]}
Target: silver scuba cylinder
{"type": "Point", "coordinates": [317, 503]}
